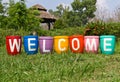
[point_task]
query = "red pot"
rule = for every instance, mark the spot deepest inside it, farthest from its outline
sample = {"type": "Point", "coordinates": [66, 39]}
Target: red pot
{"type": "Point", "coordinates": [76, 43]}
{"type": "Point", "coordinates": [13, 45]}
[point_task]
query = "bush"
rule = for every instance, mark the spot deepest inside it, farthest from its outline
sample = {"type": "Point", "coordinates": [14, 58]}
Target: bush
{"type": "Point", "coordinates": [43, 32]}
{"type": "Point", "coordinates": [4, 33]}
{"type": "Point", "coordinates": [96, 28]}
{"type": "Point", "coordinates": [114, 29]}
{"type": "Point", "coordinates": [54, 32]}
{"type": "Point", "coordinates": [67, 31]}
{"type": "Point", "coordinates": [60, 24]}
{"type": "Point", "coordinates": [101, 28]}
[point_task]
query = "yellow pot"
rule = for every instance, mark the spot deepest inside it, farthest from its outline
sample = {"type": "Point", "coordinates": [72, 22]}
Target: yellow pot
{"type": "Point", "coordinates": [61, 44]}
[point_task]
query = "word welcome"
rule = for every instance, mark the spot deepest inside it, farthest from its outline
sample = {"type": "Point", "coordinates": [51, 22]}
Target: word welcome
{"type": "Point", "coordinates": [46, 44]}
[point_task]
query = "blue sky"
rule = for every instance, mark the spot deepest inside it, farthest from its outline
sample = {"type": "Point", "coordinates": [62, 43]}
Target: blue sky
{"type": "Point", "coordinates": [109, 5]}
{"type": "Point", "coordinates": [51, 4]}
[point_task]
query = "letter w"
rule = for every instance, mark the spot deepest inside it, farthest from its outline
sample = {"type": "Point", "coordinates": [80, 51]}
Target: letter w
{"type": "Point", "coordinates": [15, 43]}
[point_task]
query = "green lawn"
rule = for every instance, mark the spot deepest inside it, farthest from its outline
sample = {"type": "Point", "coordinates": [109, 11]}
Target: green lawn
{"type": "Point", "coordinates": [60, 68]}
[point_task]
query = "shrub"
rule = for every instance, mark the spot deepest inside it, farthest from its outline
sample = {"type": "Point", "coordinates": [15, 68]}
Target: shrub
{"type": "Point", "coordinates": [4, 33]}
{"type": "Point", "coordinates": [60, 24]}
{"type": "Point", "coordinates": [43, 32]}
{"type": "Point", "coordinates": [114, 29]}
{"type": "Point", "coordinates": [101, 28]}
{"type": "Point", "coordinates": [96, 28]}
{"type": "Point", "coordinates": [67, 31]}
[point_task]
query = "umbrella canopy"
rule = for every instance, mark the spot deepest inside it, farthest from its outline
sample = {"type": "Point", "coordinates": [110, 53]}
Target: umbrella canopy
{"type": "Point", "coordinates": [39, 7]}
{"type": "Point", "coordinates": [46, 16]}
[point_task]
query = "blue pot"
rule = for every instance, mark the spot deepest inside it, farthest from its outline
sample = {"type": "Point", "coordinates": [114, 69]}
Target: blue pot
{"type": "Point", "coordinates": [31, 44]}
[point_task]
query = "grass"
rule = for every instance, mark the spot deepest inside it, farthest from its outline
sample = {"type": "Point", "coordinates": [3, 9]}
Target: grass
{"type": "Point", "coordinates": [67, 67]}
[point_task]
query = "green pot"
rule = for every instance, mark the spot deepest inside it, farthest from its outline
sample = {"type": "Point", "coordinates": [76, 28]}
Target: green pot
{"type": "Point", "coordinates": [107, 44]}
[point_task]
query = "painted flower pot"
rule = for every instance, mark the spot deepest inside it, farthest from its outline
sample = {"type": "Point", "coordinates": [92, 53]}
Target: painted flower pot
{"type": "Point", "coordinates": [76, 43]}
{"type": "Point", "coordinates": [31, 44]}
{"type": "Point", "coordinates": [91, 44]}
{"type": "Point", "coordinates": [61, 44]}
{"type": "Point", "coordinates": [45, 44]}
{"type": "Point", "coordinates": [107, 44]}
{"type": "Point", "coordinates": [13, 44]}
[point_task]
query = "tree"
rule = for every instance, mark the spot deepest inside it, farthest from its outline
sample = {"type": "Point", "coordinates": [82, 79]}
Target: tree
{"type": "Point", "coordinates": [20, 17]}
{"type": "Point", "coordinates": [55, 13]}
{"type": "Point", "coordinates": [62, 15]}
{"type": "Point", "coordinates": [83, 10]}
{"type": "Point", "coordinates": [1, 7]}
{"type": "Point", "coordinates": [1, 14]}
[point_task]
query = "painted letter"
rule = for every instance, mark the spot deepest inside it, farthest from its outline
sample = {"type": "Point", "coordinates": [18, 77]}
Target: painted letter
{"type": "Point", "coordinates": [31, 44]}
{"type": "Point", "coordinates": [107, 44]}
{"type": "Point", "coordinates": [12, 46]}
{"type": "Point", "coordinates": [78, 44]}
{"type": "Point", "coordinates": [91, 45]}
{"type": "Point", "coordinates": [44, 50]}
{"type": "Point", "coordinates": [59, 45]}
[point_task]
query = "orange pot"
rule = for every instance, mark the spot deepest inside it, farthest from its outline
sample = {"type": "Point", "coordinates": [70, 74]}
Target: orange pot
{"type": "Point", "coordinates": [76, 43]}
{"type": "Point", "coordinates": [61, 44]}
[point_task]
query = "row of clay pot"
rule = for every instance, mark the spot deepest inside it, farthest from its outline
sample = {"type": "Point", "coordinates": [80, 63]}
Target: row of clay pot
{"type": "Point", "coordinates": [46, 44]}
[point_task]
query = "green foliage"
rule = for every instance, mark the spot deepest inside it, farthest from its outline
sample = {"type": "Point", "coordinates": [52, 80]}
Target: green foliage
{"type": "Point", "coordinates": [68, 67]}
{"type": "Point", "coordinates": [81, 12]}
{"type": "Point", "coordinates": [3, 18]}
{"type": "Point", "coordinates": [67, 31]}
{"type": "Point", "coordinates": [36, 12]}
{"type": "Point", "coordinates": [40, 32]}
{"type": "Point", "coordinates": [84, 10]}
{"type": "Point", "coordinates": [60, 24]}
{"type": "Point", "coordinates": [1, 11]}
{"type": "Point", "coordinates": [62, 16]}
{"type": "Point", "coordinates": [33, 22]}
{"type": "Point", "coordinates": [96, 28]}
{"type": "Point", "coordinates": [1, 7]}
{"type": "Point", "coordinates": [17, 16]}
{"type": "Point", "coordinates": [101, 28]}
{"type": "Point", "coordinates": [73, 19]}
{"type": "Point", "coordinates": [114, 29]}
{"type": "Point", "coordinates": [8, 32]}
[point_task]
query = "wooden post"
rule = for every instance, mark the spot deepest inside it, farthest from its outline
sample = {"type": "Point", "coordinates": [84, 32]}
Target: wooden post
{"type": "Point", "coordinates": [48, 25]}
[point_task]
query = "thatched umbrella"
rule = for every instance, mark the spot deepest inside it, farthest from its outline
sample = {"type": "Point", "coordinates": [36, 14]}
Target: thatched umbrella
{"type": "Point", "coordinates": [39, 7]}
{"type": "Point", "coordinates": [47, 17]}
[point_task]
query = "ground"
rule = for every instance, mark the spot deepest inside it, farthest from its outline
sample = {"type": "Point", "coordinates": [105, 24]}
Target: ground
{"type": "Point", "coordinates": [66, 67]}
